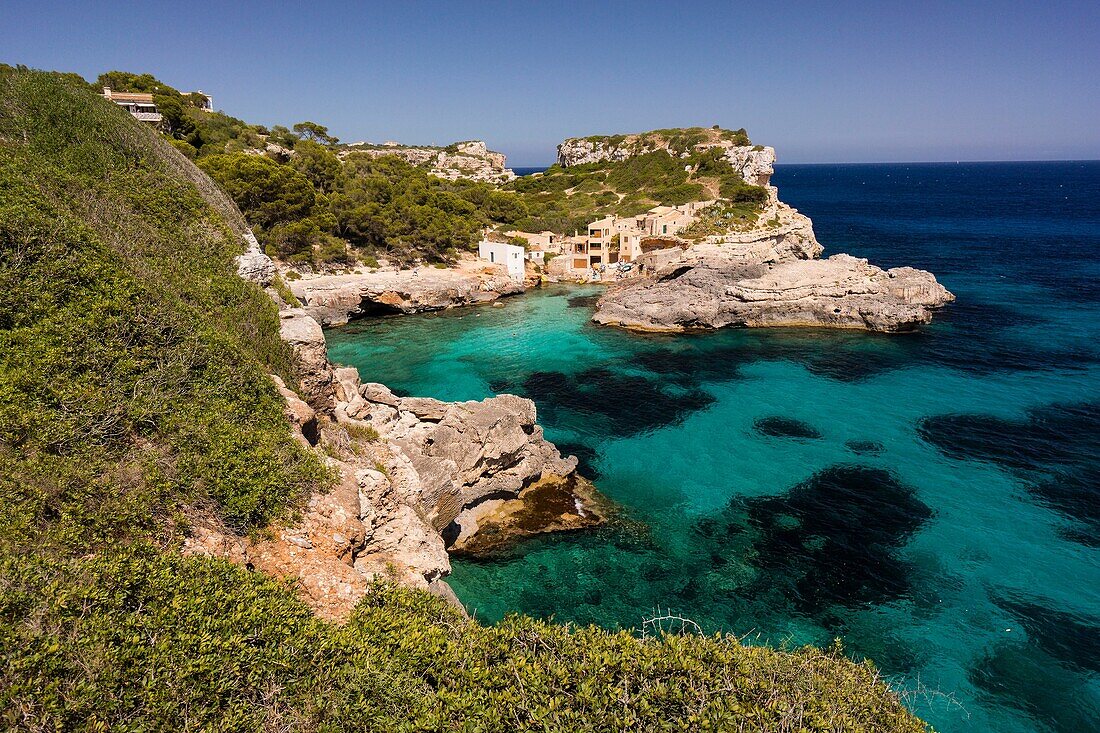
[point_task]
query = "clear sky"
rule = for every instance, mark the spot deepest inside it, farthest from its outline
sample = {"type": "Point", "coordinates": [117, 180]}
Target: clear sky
{"type": "Point", "coordinates": [821, 81]}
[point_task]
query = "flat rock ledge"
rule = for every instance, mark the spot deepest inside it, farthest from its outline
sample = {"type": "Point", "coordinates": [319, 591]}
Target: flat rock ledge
{"type": "Point", "coordinates": [838, 292]}
{"type": "Point", "coordinates": [333, 300]}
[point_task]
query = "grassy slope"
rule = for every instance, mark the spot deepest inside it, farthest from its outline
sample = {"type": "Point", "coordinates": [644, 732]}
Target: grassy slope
{"type": "Point", "coordinates": [132, 383]}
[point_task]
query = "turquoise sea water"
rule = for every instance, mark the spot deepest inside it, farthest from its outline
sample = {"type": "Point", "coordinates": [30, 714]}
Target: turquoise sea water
{"type": "Point", "coordinates": [932, 499]}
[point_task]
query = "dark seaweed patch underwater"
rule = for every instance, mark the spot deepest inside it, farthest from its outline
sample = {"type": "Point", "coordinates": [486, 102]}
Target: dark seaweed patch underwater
{"type": "Point", "coordinates": [931, 498]}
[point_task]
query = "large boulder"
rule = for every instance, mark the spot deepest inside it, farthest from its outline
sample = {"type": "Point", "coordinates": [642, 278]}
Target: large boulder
{"type": "Point", "coordinates": [311, 365]}
{"type": "Point", "coordinates": [254, 265]}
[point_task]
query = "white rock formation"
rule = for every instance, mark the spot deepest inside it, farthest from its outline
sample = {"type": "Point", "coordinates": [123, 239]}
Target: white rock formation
{"type": "Point", "coordinates": [471, 159]}
{"type": "Point", "coordinates": [254, 265]}
{"type": "Point", "coordinates": [334, 299]}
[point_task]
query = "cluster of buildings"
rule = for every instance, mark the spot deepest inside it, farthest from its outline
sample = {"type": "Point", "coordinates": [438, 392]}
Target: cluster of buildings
{"type": "Point", "coordinates": [141, 105]}
{"type": "Point", "coordinates": [608, 241]}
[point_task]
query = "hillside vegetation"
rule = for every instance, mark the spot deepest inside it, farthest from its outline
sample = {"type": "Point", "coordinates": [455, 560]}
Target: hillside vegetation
{"type": "Point", "coordinates": [677, 140]}
{"type": "Point", "coordinates": [133, 390]}
{"type": "Point", "coordinates": [566, 199]}
{"type": "Point", "coordinates": [315, 203]}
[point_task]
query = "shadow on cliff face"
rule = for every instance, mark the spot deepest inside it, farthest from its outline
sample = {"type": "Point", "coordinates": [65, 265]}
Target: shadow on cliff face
{"type": "Point", "coordinates": [1055, 451]}
{"type": "Point", "coordinates": [1043, 676]}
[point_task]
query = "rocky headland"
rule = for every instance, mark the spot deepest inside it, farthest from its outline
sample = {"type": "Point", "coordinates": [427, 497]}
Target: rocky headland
{"type": "Point", "coordinates": [838, 292]}
{"type": "Point", "coordinates": [768, 274]}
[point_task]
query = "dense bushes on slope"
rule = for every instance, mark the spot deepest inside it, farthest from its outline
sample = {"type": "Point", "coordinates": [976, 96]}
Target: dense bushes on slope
{"type": "Point", "coordinates": [133, 361]}
{"type": "Point", "coordinates": [375, 205]}
{"type": "Point", "coordinates": [145, 640]}
{"type": "Point", "coordinates": [566, 199]}
{"type": "Point", "coordinates": [132, 384]}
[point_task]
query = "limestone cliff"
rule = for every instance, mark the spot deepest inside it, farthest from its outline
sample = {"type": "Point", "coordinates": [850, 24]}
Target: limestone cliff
{"type": "Point", "coordinates": [471, 159]}
{"type": "Point", "coordinates": [753, 162]}
{"type": "Point", "coordinates": [334, 299]}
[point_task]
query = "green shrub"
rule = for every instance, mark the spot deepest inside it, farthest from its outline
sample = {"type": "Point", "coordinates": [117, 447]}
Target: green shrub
{"type": "Point", "coordinates": [133, 360]}
{"type": "Point", "coordinates": [362, 432]}
{"type": "Point", "coordinates": [143, 640]}
{"type": "Point", "coordinates": [186, 148]}
{"type": "Point", "coordinates": [267, 193]}
{"type": "Point", "coordinates": [284, 291]}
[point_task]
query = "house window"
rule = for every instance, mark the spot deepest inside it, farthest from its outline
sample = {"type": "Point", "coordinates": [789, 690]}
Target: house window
{"type": "Point", "coordinates": [491, 258]}
{"type": "Point", "coordinates": [664, 229]}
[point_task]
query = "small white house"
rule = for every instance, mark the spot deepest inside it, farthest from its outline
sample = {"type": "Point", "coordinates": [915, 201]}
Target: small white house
{"type": "Point", "coordinates": [509, 255]}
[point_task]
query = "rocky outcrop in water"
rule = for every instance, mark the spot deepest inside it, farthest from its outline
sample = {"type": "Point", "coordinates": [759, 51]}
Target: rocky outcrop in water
{"type": "Point", "coordinates": [839, 292]}
{"type": "Point", "coordinates": [334, 299]}
{"type": "Point", "coordinates": [462, 453]}
{"type": "Point", "coordinates": [471, 159]}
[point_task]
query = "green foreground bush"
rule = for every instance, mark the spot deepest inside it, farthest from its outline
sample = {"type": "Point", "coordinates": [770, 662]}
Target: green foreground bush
{"type": "Point", "coordinates": [133, 386]}
{"type": "Point", "coordinates": [141, 640]}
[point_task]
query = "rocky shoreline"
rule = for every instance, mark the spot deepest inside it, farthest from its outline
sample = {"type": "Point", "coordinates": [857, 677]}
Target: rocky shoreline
{"type": "Point", "coordinates": [419, 478]}
{"type": "Point", "coordinates": [416, 478]}
{"type": "Point", "coordinates": [768, 276]}
{"type": "Point", "coordinates": [332, 300]}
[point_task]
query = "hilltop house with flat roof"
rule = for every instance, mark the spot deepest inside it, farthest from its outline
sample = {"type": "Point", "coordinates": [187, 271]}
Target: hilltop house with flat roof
{"type": "Point", "coordinates": [139, 104]}
{"type": "Point", "coordinates": [142, 106]}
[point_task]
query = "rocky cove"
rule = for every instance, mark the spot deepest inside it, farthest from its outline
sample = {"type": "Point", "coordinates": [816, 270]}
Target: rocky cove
{"type": "Point", "coordinates": [416, 477]}
{"type": "Point", "coordinates": [421, 478]}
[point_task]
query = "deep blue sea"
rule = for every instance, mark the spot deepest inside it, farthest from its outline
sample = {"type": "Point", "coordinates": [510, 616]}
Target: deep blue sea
{"type": "Point", "coordinates": [526, 171]}
{"type": "Point", "coordinates": [932, 499]}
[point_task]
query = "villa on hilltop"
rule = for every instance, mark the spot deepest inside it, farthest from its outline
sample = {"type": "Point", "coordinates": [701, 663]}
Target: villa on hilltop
{"type": "Point", "coordinates": [142, 106]}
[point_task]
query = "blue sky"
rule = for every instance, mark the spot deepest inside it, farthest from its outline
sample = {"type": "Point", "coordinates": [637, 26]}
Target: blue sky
{"type": "Point", "coordinates": [821, 81]}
